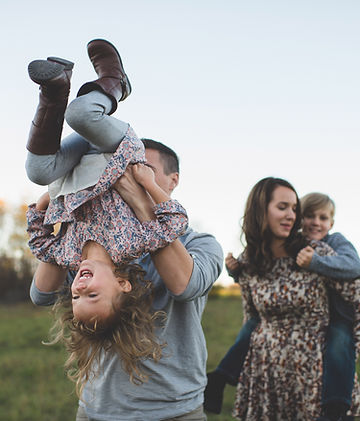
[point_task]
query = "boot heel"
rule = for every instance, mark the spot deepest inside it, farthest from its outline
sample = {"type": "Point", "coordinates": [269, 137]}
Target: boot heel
{"type": "Point", "coordinates": [68, 65]}
{"type": "Point", "coordinates": [41, 71]}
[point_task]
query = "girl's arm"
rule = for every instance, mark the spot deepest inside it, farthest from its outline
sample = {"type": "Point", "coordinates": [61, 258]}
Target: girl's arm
{"type": "Point", "coordinates": [173, 262]}
{"type": "Point", "coordinates": [163, 223]}
{"type": "Point", "coordinates": [42, 242]}
{"type": "Point", "coordinates": [145, 176]}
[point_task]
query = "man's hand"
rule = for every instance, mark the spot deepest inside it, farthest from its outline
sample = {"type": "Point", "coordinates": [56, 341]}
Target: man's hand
{"type": "Point", "coordinates": [304, 257]}
{"type": "Point", "coordinates": [43, 202]}
{"type": "Point", "coordinates": [135, 195]}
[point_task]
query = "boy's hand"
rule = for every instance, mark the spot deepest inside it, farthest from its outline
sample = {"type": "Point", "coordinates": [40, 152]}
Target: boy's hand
{"type": "Point", "coordinates": [43, 202]}
{"type": "Point", "coordinates": [304, 257]}
{"type": "Point", "coordinates": [232, 265]}
{"type": "Point", "coordinates": [143, 174]}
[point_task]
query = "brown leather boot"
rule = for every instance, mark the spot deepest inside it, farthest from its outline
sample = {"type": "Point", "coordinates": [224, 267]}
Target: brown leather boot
{"type": "Point", "coordinates": [53, 75]}
{"type": "Point", "coordinates": [112, 78]}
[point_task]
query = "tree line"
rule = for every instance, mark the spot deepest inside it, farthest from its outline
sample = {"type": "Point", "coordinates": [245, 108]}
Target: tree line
{"type": "Point", "coordinates": [17, 264]}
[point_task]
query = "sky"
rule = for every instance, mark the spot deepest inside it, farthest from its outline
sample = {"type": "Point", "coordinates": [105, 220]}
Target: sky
{"type": "Point", "coordinates": [241, 89]}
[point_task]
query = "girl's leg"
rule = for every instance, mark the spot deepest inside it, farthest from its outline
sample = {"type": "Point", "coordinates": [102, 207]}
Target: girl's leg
{"type": "Point", "coordinates": [231, 365]}
{"type": "Point", "coordinates": [44, 169]}
{"type": "Point", "coordinates": [88, 116]}
{"type": "Point", "coordinates": [53, 75]}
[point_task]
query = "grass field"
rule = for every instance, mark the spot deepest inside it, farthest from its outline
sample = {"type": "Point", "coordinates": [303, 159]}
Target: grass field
{"type": "Point", "coordinates": [33, 386]}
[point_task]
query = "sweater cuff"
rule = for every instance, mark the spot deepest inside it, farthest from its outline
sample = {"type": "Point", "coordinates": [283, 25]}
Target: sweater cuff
{"type": "Point", "coordinates": [41, 298]}
{"type": "Point", "coordinates": [170, 206]}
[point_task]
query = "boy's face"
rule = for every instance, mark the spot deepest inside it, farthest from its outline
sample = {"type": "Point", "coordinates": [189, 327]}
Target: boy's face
{"type": "Point", "coordinates": [317, 224]}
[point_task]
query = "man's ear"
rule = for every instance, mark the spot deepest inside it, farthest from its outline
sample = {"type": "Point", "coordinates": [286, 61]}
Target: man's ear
{"type": "Point", "coordinates": [332, 224]}
{"type": "Point", "coordinates": [174, 180]}
{"type": "Point", "coordinates": [125, 285]}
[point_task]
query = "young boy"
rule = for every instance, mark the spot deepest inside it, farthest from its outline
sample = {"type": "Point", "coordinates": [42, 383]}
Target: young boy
{"type": "Point", "coordinates": [339, 356]}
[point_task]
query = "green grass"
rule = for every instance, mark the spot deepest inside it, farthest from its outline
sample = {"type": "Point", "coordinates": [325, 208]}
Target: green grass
{"type": "Point", "coordinates": [221, 322]}
{"type": "Point", "coordinates": [33, 386]}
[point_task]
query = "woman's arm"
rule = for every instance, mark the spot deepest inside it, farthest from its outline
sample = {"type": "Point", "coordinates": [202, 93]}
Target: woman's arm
{"type": "Point", "coordinates": [248, 304]}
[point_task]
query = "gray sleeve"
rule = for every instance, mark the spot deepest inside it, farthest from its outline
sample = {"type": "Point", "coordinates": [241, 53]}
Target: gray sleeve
{"type": "Point", "coordinates": [344, 266]}
{"type": "Point", "coordinates": [208, 262]}
{"type": "Point", "coordinates": [41, 298]}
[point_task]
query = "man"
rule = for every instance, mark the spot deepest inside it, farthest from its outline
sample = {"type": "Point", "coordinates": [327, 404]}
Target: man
{"type": "Point", "coordinates": [182, 273]}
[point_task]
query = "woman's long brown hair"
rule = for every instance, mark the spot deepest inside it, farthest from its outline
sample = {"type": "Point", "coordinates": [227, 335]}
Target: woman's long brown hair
{"type": "Point", "coordinates": [256, 231]}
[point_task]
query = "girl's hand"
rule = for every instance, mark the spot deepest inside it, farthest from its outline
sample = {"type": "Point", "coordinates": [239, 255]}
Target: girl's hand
{"type": "Point", "coordinates": [144, 175]}
{"type": "Point", "coordinates": [43, 202]}
{"type": "Point", "coordinates": [304, 257]}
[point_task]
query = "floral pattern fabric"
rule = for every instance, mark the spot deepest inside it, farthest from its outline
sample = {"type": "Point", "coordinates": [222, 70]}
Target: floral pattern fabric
{"type": "Point", "coordinates": [100, 214]}
{"type": "Point", "coordinates": [282, 375]}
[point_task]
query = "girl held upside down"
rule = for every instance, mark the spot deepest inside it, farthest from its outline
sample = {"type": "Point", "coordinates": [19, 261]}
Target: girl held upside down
{"type": "Point", "coordinates": [100, 236]}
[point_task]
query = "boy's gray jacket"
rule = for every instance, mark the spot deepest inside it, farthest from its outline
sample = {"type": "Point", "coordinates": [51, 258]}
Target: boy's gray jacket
{"type": "Point", "coordinates": [345, 266]}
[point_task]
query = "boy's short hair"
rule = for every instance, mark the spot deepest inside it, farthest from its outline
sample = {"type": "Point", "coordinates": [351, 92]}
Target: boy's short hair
{"type": "Point", "coordinates": [168, 156]}
{"type": "Point", "coordinates": [314, 201]}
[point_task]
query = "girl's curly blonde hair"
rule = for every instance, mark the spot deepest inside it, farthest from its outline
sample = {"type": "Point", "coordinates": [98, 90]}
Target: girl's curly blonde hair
{"type": "Point", "coordinates": [129, 331]}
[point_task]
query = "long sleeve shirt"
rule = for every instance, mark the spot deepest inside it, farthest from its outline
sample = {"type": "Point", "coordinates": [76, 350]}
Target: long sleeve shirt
{"type": "Point", "coordinates": [176, 383]}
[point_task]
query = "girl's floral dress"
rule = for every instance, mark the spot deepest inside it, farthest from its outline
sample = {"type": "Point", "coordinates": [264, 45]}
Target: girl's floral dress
{"type": "Point", "coordinates": [100, 214]}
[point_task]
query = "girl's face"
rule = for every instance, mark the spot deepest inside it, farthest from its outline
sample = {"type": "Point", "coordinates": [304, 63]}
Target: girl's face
{"type": "Point", "coordinates": [281, 212]}
{"type": "Point", "coordinates": [94, 289]}
{"type": "Point", "coordinates": [317, 223]}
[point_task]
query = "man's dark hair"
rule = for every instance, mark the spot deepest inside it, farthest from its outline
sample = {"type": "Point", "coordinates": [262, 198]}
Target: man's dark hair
{"type": "Point", "coordinates": [168, 156]}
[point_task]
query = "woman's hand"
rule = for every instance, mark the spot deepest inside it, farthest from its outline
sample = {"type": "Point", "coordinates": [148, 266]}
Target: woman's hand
{"type": "Point", "coordinates": [43, 202]}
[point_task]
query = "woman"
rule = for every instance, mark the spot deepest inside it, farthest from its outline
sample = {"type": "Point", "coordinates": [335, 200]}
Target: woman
{"type": "Point", "coordinates": [282, 374]}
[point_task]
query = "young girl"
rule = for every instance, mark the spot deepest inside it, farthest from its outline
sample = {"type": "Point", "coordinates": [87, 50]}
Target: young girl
{"type": "Point", "coordinates": [339, 356]}
{"type": "Point", "coordinates": [99, 233]}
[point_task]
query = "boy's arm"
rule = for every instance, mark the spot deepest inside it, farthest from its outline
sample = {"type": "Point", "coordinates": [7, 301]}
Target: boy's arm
{"type": "Point", "coordinates": [233, 267]}
{"type": "Point", "coordinates": [344, 266]}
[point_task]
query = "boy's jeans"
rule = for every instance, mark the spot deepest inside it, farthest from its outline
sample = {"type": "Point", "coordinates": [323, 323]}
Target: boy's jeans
{"type": "Point", "coordinates": [231, 365]}
{"type": "Point", "coordinates": [338, 362]}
